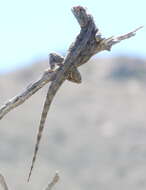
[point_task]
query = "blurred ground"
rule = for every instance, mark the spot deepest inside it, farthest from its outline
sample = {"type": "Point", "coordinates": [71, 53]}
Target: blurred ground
{"type": "Point", "coordinates": [95, 133]}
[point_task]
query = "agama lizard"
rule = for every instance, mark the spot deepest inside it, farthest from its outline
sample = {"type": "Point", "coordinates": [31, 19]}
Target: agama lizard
{"type": "Point", "coordinates": [68, 67]}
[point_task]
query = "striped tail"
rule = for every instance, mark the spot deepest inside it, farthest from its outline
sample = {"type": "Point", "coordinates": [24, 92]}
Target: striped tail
{"type": "Point", "coordinates": [50, 95]}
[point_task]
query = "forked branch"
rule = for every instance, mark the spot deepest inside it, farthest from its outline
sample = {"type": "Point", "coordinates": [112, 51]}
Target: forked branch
{"type": "Point", "coordinates": [55, 179]}
{"type": "Point", "coordinates": [105, 44]}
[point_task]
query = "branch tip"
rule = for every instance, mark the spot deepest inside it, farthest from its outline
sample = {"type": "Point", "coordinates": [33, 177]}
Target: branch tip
{"type": "Point", "coordinates": [53, 182]}
{"type": "Point", "coordinates": [107, 44]}
{"type": "Point", "coordinates": [140, 27]}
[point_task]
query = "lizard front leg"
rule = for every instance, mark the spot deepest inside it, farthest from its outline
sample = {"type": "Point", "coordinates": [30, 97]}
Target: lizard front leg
{"type": "Point", "coordinates": [55, 59]}
{"type": "Point", "coordinates": [73, 76]}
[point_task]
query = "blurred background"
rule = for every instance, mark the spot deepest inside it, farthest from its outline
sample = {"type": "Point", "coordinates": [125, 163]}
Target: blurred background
{"type": "Point", "coordinates": [95, 132]}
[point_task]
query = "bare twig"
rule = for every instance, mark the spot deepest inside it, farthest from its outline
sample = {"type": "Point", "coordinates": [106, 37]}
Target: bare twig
{"type": "Point", "coordinates": [55, 179]}
{"type": "Point", "coordinates": [53, 182]}
{"type": "Point", "coordinates": [109, 42]}
{"type": "Point", "coordinates": [27, 93]}
{"type": "Point", "coordinates": [3, 183]}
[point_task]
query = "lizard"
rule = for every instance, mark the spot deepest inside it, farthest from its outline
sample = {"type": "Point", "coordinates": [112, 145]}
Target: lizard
{"type": "Point", "coordinates": [67, 68]}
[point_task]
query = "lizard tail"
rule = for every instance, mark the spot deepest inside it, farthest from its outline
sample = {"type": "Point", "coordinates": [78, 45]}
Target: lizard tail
{"type": "Point", "coordinates": [50, 95]}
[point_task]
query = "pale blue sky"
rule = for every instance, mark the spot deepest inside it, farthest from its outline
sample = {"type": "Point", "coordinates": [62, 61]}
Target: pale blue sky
{"type": "Point", "coordinates": [30, 29]}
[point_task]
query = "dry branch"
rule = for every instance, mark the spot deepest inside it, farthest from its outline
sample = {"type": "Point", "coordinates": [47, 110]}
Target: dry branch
{"type": "Point", "coordinates": [105, 44]}
{"type": "Point", "coordinates": [87, 43]}
{"type": "Point", "coordinates": [27, 93]}
{"type": "Point", "coordinates": [55, 179]}
{"type": "Point", "coordinates": [53, 182]}
{"type": "Point", "coordinates": [3, 183]}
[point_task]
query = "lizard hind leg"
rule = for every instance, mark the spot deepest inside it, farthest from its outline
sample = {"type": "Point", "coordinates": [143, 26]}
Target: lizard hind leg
{"type": "Point", "coordinates": [74, 76]}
